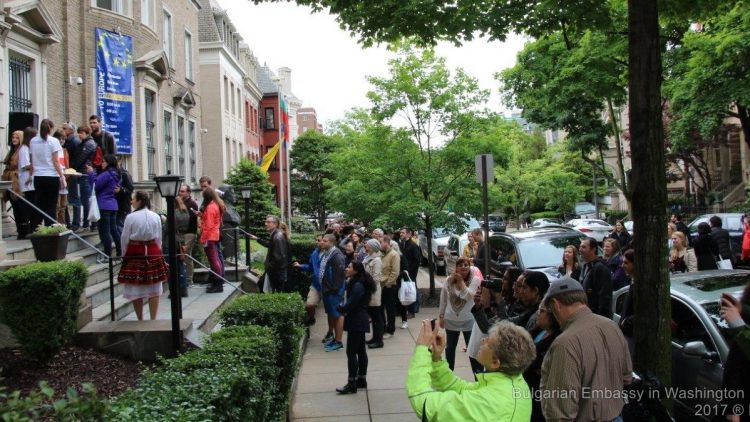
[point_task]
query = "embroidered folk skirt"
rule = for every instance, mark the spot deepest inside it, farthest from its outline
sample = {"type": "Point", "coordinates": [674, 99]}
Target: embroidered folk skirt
{"type": "Point", "coordinates": [143, 270]}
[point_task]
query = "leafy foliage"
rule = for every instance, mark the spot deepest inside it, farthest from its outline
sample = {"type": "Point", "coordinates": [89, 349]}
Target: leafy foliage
{"type": "Point", "coordinates": [262, 200]}
{"type": "Point", "coordinates": [29, 292]}
{"type": "Point", "coordinates": [40, 405]}
{"type": "Point", "coordinates": [310, 158]}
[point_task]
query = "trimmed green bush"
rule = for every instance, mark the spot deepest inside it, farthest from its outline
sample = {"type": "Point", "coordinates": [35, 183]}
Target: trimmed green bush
{"type": "Point", "coordinates": [39, 303]}
{"type": "Point", "coordinates": [614, 215]}
{"type": "Point", "coordinates": [226, 380]}
{"type": "Point", "coordinates": [284, 312]}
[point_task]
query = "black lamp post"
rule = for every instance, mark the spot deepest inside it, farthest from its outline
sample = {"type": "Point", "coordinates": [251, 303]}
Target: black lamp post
{"type": "Point", "coordinates": [246, 191]}
{"type": "Point", "coordinates": [169, 185]}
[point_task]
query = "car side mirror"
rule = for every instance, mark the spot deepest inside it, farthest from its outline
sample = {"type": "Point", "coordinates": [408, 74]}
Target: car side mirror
{"type": "Point", "coordinates": [697, 349]}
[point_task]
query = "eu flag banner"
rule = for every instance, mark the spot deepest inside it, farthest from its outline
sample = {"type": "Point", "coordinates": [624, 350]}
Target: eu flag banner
{"type": "Point", "coordinates": [114, 86]}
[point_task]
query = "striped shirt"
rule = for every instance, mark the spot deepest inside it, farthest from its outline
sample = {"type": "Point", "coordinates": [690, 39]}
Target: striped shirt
{"type": "Point", "coordinates": [585, 370]}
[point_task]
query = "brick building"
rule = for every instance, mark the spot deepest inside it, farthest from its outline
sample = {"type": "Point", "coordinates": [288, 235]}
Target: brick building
{"type": "Point", "coordinates": [307, 119]}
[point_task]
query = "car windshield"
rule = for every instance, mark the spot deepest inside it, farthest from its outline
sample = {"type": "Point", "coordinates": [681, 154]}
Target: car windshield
{"type": "Point", "coordinates": [545, 251]}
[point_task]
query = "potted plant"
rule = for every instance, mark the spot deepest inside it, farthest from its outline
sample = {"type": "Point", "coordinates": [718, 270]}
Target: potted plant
{"type": "Point", "coordinates": [50, 242]}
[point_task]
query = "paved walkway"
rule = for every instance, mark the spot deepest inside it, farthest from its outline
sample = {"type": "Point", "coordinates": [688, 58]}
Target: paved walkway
{"type": "Point", "coordinates": [315, 399]}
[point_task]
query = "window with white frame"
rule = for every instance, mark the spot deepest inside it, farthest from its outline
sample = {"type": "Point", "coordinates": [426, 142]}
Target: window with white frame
{"type": "Point", "coordinates": [148, 106]}
{"type": "Point", "coordinates": [191, 141]}
{"type": "Point", "coordinates": [147, 13]}
{"type": "Point", "coordinates": [167, 141]}
{"type": "Point", "coordinates": [167, 35]}
{"type": "Point", "coordinates": [188, 55]}
{"type": "Point", "coordinates": [123, 7]}
{"type": "Point", "coordinates": [180, 145]}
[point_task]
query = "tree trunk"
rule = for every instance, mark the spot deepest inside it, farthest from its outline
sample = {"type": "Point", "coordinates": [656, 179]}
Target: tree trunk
{"type": "Point", "coordinates": [651, 291]}
{"type": "Point", "coordinates": [618, 145]}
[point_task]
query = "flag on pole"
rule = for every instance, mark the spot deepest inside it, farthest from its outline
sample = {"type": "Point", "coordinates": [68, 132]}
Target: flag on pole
{"type": "Point", "coordinates": [270, 155]}
{"type": "Point", "coordinates": [284, 133]}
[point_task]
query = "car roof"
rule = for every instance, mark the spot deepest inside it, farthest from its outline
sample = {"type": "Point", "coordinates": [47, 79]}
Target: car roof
{"type": "Point", "coordinates": [536, 232]}
{"type": "Point", "coordinates": [696, 285]}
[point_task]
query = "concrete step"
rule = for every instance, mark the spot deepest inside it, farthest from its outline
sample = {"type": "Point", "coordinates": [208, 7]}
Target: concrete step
{"type": "Point", "coordinates": [123, 307]}
{"type": "Point", "coordinates": [98, 294]}
{"type": "Point", "coordinates": [231, 273]}
{"type": "Point", "coordinates": [22, 249]}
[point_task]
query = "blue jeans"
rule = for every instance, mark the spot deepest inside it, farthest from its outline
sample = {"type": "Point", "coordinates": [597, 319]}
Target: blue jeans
{"type": "Point", "coordinates": [84, 195]}
{"type": "Point", "coordinates": [108, 232]}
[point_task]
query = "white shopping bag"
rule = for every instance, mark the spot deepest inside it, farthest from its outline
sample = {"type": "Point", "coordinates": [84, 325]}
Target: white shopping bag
{"type": "Point", "coordinates": [94, 214]}
{"type": "Point", "coordinates": [407, 294]}
{"type": "Point", "coordinates": [724, 264]}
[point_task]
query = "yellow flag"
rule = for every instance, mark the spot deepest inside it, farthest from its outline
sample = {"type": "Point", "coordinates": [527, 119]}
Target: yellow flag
{"type": "Point", "coordinates": [268, 158]}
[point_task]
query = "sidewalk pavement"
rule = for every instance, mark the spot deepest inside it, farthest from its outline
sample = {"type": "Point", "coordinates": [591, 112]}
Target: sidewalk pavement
{"type": "Point", "coordinates": [315, 399]}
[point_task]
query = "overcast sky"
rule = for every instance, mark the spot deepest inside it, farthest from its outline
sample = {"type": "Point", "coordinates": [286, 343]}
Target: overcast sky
{"type": "Point", "coordinates": [329, 67]}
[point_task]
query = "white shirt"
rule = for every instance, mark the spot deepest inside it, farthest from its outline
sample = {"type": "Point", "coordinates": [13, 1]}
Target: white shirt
{"type": "Point", "coordinates": [141, 225]}
{"type": "Point", "coordinates": [41, 155]}
{"type": "Point", "coordinates": [24, 160]}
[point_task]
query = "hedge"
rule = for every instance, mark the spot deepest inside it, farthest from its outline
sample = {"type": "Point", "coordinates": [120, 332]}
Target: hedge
{"type": "Point", "coordinates": [284, 312]}
{"type": "Point", "coordinates": [226, 380]}
{"type": "Point", "coordinates": [39, 302]}
{"type": "Point", "coordinates": [302, 248]}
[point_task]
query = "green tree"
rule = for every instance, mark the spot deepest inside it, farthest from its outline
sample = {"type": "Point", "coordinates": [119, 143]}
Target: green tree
{"type": "Point", "coordinates": [262, 202]}
{"type": "Point", "coordinates": [708, 79]}
{"type": "Point", "coordinates": [310, 162]}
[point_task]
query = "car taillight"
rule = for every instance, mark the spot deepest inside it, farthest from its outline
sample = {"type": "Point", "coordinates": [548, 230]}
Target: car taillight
{"type": "Point", "coordinates": [584, 229]}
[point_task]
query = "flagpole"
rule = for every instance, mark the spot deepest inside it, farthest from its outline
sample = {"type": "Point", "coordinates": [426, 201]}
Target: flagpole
{"type": "Point", "coordinates": [281, 158]}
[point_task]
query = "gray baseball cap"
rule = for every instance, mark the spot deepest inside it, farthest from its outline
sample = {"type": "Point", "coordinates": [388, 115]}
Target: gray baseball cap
{"type": "Point", "coordinates": [562, 285]}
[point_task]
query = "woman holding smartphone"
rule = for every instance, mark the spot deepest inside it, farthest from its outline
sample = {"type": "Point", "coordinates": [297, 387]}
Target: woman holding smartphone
{"type": "Point", "coordinates": [456, 301]}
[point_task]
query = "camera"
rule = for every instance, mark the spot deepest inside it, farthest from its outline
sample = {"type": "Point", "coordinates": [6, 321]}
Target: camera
{"type": "Point", "coordinates": [494, 284]}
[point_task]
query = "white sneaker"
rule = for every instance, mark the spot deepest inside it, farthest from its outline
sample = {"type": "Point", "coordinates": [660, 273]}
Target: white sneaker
{"type": "Point", "coordinates": [404, 325]}
{"type": "Point", "coordinates": [387, 335]}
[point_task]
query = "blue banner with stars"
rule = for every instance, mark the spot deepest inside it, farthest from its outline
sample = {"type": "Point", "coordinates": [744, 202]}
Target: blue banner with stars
{"type": "Point", "coordinates": [114, 86]}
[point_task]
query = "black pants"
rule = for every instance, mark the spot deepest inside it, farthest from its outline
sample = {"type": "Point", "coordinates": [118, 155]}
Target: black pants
{"type": "Point", "coordinates": [451, 340]}
{"type": "Point", "coordinates": [47, 190]}
{"type": "Point", "coordinates": [389, 298]}
{"type": "Point", "coordinates": [376, 315]}
{"type": "Point", "coordinates": [356, 354]}
{"type": "Point", "coordinates": [22, 213]}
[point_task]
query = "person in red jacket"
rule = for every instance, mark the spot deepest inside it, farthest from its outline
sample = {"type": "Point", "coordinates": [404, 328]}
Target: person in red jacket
{"type": "Point", "coordinates": [211, 214]}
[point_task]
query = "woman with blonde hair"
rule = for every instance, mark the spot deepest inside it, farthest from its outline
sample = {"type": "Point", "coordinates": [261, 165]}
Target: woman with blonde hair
{"type": "Point", "coordinates": [681, 258]}
{"type": "Point", "coordinates": [570, 266]}
{"type": "Point", "coordinates": [211, 214]}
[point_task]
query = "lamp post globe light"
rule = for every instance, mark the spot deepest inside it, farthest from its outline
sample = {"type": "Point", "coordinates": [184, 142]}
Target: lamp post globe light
{"type": "Point", "coordinates": [246, 192]}
{"type": "Point", "coordinates": [169, 185]}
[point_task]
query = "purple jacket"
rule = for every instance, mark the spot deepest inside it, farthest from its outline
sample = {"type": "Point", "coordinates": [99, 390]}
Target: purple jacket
{"type": "Point", "coordinates": [105, 184]}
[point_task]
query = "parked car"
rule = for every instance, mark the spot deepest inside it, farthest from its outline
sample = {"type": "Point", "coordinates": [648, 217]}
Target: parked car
{"type": "Point", "coordinates": [454, 250]}
{"type": "Point", "coordinates": [584, 210]}
{"type": "Point", "coordinates": [732, 222]}
{"type": "Point", "coordinates": [629, 226]}
{"type": "Point", "coordinates": [546, 222]}
{"type": "Point", "coordinates": [539, 249]}
{"type": "Point", "coordinates": [699, 348]}
{"type": "Point", "coordinates": [591, 227]}
{"type": "Point", "coordinates": [497, 223]}
{"type": "Point", "coordinates": [439, 240]}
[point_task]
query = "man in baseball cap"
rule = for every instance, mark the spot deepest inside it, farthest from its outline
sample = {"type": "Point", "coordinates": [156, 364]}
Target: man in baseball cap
{"type": "Point", "coordinates": [588, 365]}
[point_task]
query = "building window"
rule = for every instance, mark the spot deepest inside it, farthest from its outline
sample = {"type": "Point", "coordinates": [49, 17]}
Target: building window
{"type": "Point", "coordinates": [122, 7]}
{"type": "Point", "coordinates": [180, 144]}
{"type": "Point", "coordinates": [148, 106]}
{"type": "Point", "coordinates": [19, 79]}
{"type": "Point", "coordinates": [269, 119]}
{"type": "Point", "coordinates": [147, 13]}
{"type": "Point", "coordinates": [226, 93]}
{"type": "Point", "coordinates": [191, 141]}
{"type": "Point", "coordinates": [167, 35]}
{"type": "Point", "coordinates": [188, 55]}
{"type": "Point", "coordinates": [231, 87]}
{"type": "Point", "coordinates": [168, 141]}
{"type": "Point", "coordinates": [227, 151]}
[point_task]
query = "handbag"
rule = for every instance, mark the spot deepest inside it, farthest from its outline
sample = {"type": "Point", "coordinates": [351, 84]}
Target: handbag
{"type": "Point", "coordinates": [94, 214]}
{"type": "Point", "coordinates": [407, 293]}
{"type": "Point", "coordinates": [724, 264]}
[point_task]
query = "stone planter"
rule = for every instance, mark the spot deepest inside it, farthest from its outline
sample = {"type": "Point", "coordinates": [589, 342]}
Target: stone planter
{"type": "Point", "coordinates": [50, 247]}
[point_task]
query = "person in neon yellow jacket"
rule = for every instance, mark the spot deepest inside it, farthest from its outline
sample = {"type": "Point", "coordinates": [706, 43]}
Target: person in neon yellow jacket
{"type": "Point", "coordinates": [500, 394]}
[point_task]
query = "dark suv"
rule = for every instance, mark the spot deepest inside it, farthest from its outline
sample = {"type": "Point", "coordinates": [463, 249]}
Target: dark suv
{"type": "Point", "coordinates": [539, 249]}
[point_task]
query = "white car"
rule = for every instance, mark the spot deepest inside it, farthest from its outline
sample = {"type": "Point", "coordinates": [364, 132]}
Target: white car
{"type": "Point", "coordinates": [440, 238]}
{"type": "Point", "coordinates": [591, 227]}
{"type": "Point", "coordinates": [454, 249]}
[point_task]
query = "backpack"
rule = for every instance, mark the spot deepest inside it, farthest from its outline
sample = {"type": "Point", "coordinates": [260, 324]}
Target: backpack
{"type": "Point", "coordinates": [98, 159]}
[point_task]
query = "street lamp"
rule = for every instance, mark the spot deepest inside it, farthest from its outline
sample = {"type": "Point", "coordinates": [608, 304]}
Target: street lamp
{"type": "Point", "coordinates": [246, 191]}
{"type": "Point", "coordinates": [169, 185]}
